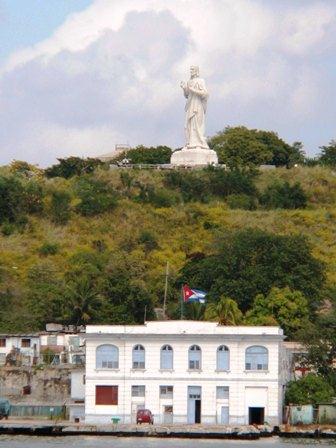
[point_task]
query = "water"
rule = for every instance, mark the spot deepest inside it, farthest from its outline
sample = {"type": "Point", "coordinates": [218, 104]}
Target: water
{"type": "Point", "coordinates": [131, 442]}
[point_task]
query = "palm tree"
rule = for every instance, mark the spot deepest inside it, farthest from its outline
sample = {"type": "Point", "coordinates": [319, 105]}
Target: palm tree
{"type": "Point", "coordinates": [195, 311]}
{"type": "Point", "coordinates": [225, 312]}
{"type": "Point", "coordinates": [83, 301]}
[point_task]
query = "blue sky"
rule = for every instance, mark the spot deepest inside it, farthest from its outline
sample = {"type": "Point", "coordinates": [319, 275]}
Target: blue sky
{"type": "Point", "coordinates": [78, 77]}
{"type": "Point", "coordinates": [26, 22]}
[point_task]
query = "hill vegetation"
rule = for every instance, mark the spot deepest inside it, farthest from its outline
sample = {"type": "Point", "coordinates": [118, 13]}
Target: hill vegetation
{"type": "Point", "coordinates": [81, 243]}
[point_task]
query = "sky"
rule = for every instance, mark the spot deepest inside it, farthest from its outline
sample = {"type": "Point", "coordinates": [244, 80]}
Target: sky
{"type": "Point", "coordinates": [78, 77]}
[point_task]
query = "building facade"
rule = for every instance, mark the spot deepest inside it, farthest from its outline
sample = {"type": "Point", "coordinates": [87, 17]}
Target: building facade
{"type": "Point", "coordinates": [185, 372]}
{"type": "Point", "coordinates": [20, 349]}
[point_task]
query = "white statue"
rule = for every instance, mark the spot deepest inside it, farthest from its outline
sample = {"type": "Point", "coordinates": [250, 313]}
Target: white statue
{"type": "Point", "coordinates": [196, 151]}
{"type": "Point", "coordinates": [197, 96]}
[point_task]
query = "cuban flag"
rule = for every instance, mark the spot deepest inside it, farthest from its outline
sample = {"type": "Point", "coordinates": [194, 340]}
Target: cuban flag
{"type": "Point", "coordinates": [193, 295]}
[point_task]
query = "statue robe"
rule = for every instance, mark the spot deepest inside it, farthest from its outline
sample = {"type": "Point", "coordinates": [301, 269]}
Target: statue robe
{"type": "Point", "coordinates": [195, 108]}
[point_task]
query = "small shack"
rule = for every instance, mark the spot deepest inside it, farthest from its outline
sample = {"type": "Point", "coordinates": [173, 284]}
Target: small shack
{"type": "Point", "coordinates": [327, 413]}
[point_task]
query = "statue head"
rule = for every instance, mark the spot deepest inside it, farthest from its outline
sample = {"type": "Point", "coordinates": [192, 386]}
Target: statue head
{"type": "Point", "coordinates": [194, 71]}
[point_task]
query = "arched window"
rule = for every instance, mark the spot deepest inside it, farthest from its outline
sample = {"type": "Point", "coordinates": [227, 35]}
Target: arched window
{"type": "Point", "coordinates": [195, 357]}
{"type": "Point", "coordinates": [107, 357]}
{"type": "Point", "coordinates": [166, 361]}
{"type": "Point", "coordinates": [223, 358]}
{"type": "Point", "coordinates": [256, 358]}
{"type": "Point", "coordinates": [138, 357]}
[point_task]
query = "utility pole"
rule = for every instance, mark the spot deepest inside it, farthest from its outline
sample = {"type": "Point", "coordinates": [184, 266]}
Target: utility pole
{"type": "Point", "coordinates": [165, 290]}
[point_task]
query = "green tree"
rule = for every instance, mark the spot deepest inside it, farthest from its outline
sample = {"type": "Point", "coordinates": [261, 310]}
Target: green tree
{"type": "Point", "coordinates": [12, 207]}
{"type": "Point", "coordinates": [250, 262]}
{"type": "Point", "coordinates": [33, 196]}
{"type": "Point", "coordinates": [240, 149]}
{"type": "Point", "coordinates": [286, 307]}
{"type": "Point", "coordinates": [83, 302]}
{"type": "Point", "coordinates": [25, 169]}
{"type": "Point", "coordinates": [320, 342]}
{"type": "Point", "coordinates": [225, 312]}
{"type": "Point", "coordinates": [328, 154]}
{"type": "Point", "coordinates": [146, 155]}
{"type": "Point", "coordinates": [283, 195]}
{"type": "Point", "coordinates": [311, 389]}
{"type": "Point", "coordinates": [194, 311]}
{"type": "Point", "coordinates": [73, 166]}
{"type": "Point", "coordinates": [283, 154]}
{"type": "Point", "coordinates": [60, 207]}
{"type": "Point", "coordinates": [44, 295]}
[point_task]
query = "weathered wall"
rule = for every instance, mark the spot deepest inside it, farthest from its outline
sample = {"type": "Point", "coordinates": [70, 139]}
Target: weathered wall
{"type": "Point", "coordinates": [48, 385]}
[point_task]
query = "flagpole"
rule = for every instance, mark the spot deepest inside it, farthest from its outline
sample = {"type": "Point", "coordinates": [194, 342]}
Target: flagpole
{"type": "Point", "coordinates": [181, 318]}
{"type": "Point", "coordinates": [165, 290]}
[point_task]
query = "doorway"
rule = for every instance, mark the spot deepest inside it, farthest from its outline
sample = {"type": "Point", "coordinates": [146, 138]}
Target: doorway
{"type": "Point", "coordinates": [168, 414]}
{"type": "Point", "coordinates": [256, 416]}
{"type": "Point", "coordinates": [224, 415]}
{"type": "Point", "coordinates": [194, 404]}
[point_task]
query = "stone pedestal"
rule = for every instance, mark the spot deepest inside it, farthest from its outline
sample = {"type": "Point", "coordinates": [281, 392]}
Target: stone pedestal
{"type": "Point", "coordinates": [194, 157]}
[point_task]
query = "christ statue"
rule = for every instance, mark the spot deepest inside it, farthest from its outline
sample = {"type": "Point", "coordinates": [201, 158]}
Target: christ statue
{"type": "Point", "coordinates": [195, 92]}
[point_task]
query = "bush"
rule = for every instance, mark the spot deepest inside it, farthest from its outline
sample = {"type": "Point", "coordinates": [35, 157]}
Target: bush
{"type": "Point", "coordinates": [95, 196]}
{"type": "Point", "coordinates": [48, 249]}
{"type": "Point", "coordinates": [7, 229]}
{"type": "Point", "coordinates": [146, 155]}
{"type": "Point", "coordinates": [224, 183]}
{"type": "Point", "coordinates": [148, 240]}
{"type": "Point", "coordinates": [311, 389]}
{"type": "Point", "coordinates": [11, 199]}
{"type": "Point", "coordinates": [201, 185]}
{"type": "Point", "coordinates": [73, 166]}
{"type": "Point", "coordinates": [60, 207]}
{"type": "Point", "coordinates": [33, 196]}
{"type": "Point", "coordinates": [284, 196]}
{"type": "Point", "coordinates": [159, 197]}
{"type": "Point", "coordinates": [241, 201]}
{"type": "Point", "coordinates": [193, 186]}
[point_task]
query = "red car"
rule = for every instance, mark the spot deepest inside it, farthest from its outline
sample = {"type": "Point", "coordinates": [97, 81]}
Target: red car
{"type": "Point", "coordinates": [144, 416]}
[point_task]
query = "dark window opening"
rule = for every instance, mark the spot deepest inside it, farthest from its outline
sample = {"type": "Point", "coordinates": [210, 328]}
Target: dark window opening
{"type": "Point", "coordinates": [25, 343]}
{"type": "Point", "coordinates": [256, 416]}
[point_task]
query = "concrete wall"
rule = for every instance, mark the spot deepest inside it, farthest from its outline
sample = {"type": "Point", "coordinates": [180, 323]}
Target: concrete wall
{"type": "Point", "coordinates": [48, 385]}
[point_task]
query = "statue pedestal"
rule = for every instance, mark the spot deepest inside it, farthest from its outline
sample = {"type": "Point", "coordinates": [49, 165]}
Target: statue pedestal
{"type": "Point", "coordinates": [194, 157]}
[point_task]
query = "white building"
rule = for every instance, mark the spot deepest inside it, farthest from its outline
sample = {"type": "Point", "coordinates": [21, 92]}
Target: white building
{"type": "Point", "coordinates": [185, 372]}
{"type": "Point", "coordinates": [22, 348]}
{"type": "Point", "coordinates": [66, 347]}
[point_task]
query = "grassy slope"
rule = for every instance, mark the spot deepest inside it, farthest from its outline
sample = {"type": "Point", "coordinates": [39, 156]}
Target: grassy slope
{"type": "Point", "coordinates": [179, 230]}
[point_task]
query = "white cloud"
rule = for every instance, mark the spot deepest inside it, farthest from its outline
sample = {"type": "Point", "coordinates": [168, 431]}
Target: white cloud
{"type": "Point", "coordinates": [111, 74]}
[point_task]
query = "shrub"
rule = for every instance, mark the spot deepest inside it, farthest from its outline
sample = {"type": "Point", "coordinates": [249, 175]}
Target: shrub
{"type": "Point", "coordinates": [242, 201]}
{"type": "Point", "coordinates": [159, 197]}
{"type": "Point", "coordinates": [146, 155]}
{"type": "Point", "coordinates": [7, 229]}
{"type": "Point", "coordinates": [224, 183]}
{"type": "Point", "coordinates": [11, 199]}
{"type": "Point", "coordinates": [95, 196]}
{"type": "Point", "coordinates": [200, 185]}
{"type": "Point", "coordinates": [73, 166]}
{"type": "Point", "coordinates": [48, 249]}
{"type": "Point", "coordinates": [282, 195]}
{"type": "Point", "coordinates": [148, 240]}
{"type": "Point", "coordinates": [194, 186]}
{"type": "Point", "coordinates": [60, 207]}
{"type": "Point", "coordinates": [311, 389]}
